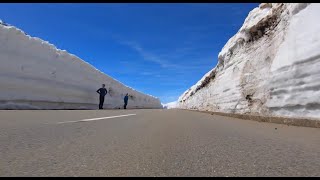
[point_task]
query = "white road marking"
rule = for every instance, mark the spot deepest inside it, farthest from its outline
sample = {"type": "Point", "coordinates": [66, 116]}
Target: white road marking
{"type": "Point", "coordinates": [96, 119]}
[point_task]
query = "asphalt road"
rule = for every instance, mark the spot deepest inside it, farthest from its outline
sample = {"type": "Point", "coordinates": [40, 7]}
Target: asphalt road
{"type": "Point", "coordinates": [152, 143]}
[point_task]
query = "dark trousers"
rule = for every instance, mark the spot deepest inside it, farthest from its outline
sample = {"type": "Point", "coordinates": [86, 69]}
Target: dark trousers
{"type": "Point", "coordinates": [101, 101]}
{"type": "Point", "coordinates": [125, 105]}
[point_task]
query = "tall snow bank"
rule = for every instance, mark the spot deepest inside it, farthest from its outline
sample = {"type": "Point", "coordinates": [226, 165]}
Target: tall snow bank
{"type": "Point", "coordinates": [36, 75]}
{"type": "Point", "coordinates": [269, 67]}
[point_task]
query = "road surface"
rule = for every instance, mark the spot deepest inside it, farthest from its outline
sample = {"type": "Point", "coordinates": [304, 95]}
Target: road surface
{"type": "Point", "coordinates": [152, 143]}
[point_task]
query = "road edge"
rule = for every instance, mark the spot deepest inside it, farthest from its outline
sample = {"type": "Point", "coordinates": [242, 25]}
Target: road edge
{"type": "Point", "coordinates": [303, 122]}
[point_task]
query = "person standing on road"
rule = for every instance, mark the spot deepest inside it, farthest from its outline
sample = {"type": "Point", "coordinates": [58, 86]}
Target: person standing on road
{"type": "Point", "coordinates": [102, 92]}
{"type": "Point", "coordinates": [125, 101]}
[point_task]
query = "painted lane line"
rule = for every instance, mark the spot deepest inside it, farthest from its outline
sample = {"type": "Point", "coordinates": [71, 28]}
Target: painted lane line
{"type": "Point", "coordinates": [96, 119]}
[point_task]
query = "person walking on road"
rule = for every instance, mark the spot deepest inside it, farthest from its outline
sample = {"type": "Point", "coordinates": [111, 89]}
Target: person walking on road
{"type": "Point", "coordinates": [125, 101]}
{"type": "Point", "coordinates": [102, 92]}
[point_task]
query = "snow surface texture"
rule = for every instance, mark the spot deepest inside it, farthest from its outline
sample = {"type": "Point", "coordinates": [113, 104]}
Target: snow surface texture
{"type": "Point", "coordinates": [36, 75]}
{"type": "Point", "coordinates": [170, 105]}
{"type": "Point", "coordinates": [271, 67]}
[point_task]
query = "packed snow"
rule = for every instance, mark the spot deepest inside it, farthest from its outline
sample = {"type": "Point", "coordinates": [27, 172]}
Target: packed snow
{"type": "Point", "coordinates": [34, 74]}
{"type": "Point", "coordinates": [170, 105]}
{"type": "Point", "coordinates": [270, 67]}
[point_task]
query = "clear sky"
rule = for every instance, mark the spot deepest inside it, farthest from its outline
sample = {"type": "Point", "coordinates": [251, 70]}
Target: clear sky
{"type": "Point", "coordinates": [159, 49]}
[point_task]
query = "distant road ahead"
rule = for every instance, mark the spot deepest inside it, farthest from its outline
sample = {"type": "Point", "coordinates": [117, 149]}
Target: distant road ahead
{"type": "Point", "coordinates": [152, 143]}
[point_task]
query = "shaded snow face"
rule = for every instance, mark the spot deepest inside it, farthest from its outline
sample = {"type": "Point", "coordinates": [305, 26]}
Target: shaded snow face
{"type": "Point", "coordinates": [36, 75]}
{"type": "Point", "coordinates": [270, 67]}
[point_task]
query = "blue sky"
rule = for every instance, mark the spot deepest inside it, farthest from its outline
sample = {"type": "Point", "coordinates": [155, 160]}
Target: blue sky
{"type": "Point", "coordinates": [159, 49]}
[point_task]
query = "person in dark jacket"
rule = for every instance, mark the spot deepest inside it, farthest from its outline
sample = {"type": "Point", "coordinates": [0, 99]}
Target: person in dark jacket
{"type": "Point", "coordinates": [102, 92]}
{"type": "Point", "coordinates": [125, 101]}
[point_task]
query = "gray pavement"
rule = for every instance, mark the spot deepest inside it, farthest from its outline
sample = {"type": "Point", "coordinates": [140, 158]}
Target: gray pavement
{"type": "Point", "coordinates": [152, 143]}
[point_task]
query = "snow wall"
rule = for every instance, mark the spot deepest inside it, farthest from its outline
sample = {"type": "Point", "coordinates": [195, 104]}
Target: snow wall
{"type": "Point", "coordinates": [36, 75]}
{"type": "Point", "coordinates": [270, 67]}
